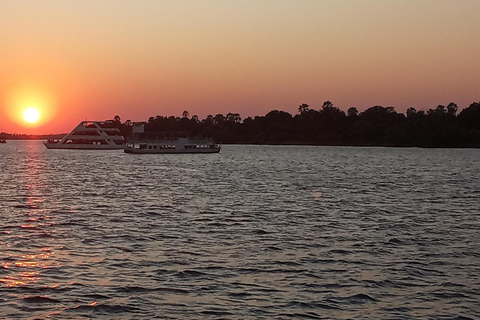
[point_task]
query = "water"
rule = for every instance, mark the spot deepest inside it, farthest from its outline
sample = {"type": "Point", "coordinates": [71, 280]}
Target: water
{"type": "Point", "coordinates": [255, 232]}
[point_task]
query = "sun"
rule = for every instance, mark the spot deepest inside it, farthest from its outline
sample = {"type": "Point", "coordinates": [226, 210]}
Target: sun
{"type": "Point", "coordinates": [31, 115]}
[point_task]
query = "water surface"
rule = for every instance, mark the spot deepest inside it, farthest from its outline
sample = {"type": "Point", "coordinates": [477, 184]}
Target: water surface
{"type": "Point", "coordinates": [254, 232]}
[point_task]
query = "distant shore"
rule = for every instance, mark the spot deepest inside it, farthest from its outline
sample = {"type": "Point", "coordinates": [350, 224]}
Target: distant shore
{"type": "Point", "coordinates": [9, 136]}
{"type": "Point", "coordinates": [440, 127]}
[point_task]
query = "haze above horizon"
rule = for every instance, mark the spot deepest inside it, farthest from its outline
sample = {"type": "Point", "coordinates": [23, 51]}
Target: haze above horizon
{"type": "Point", "coordinates": [77, 60]}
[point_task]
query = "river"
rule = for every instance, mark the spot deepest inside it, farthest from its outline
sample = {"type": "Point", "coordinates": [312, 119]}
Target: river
{"type": "Point", "coordinates": [254, 232]}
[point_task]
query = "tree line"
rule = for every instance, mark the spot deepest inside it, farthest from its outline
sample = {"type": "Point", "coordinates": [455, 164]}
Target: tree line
{"type": "Point", "coordinates": [442, 126]}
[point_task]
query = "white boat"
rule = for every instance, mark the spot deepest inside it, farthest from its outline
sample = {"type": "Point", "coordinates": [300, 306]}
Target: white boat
{"type": "Point", "coordinates": [162, 142]}
{"type": "Point", "coordinates": [178, 145]}
{"type": "Point", "coordinates": [90, 135]}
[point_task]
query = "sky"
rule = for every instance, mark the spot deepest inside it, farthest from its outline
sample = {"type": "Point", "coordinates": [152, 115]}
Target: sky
{"type": "Point", "coordinates": [88, 59]}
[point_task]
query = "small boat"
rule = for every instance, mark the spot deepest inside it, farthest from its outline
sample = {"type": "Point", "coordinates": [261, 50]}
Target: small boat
{"type": "Point", "coordinates": [90, 135]}
{"type": "Point", "coordinates": [178, 145]}
{"type": "Point", "coordinates": [3, 140]}
{"type": "Point", "coordinates": [162, 143]}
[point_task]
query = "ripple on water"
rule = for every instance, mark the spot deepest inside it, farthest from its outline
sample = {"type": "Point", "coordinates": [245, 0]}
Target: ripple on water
{"type": "Point", "coordinates": [255, 232]}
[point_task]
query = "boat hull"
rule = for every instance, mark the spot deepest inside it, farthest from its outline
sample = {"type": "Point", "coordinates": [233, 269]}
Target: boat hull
{"type": "Point", "coordinates": [73, 146]}
{"type": "Point", "coordinates": [171, 151]}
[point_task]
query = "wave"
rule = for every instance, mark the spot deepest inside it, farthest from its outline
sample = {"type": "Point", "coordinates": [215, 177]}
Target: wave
{"type": "Point", "coordinates": [139, 289]}
{"type": "Point", "coordinates": [306, 315]}
{"type": "Point", "coordinates": [359, 298]}
{"type": "Point", "coordinates": [311, 305]}
{"type": "Point", "coordinates": [216, 313]}
{"type": "Point", "coordinates": [105, 308]}
{"type": "Point", "coordinates": [191, 274]}
{"type": "Point", "coordinates": [39, 299]}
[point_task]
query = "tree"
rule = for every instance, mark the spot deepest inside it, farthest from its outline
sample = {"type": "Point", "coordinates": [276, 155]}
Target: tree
{"type": "Point", "coordinates": [303, 108]}
{"type": "Point", "coordinates": [208, 120]}
{"type": "Point", "coordinates": [411, 112]}
{"type": "Point", "coordinates": [377, 125]}
{"type": "Point", "coordinates": [352, 112]}
{"type": "Point", "coordinates": [439, 110]}
{"type": "Point", "coordinates": [452, 109]}
{"type": "Point", "coordinates": [327, 104]}
{"type": "Point", "coordinates": [219, 119]}
{"type": "Point", "coordinates": [469, 118]}
{"type": "Point", "coordinates": [233, 117]}
{"type": "Point", "coordinates": [185, 114]}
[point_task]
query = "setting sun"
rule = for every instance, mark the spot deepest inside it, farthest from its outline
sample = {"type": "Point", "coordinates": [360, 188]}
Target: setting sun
{"type": "Point", "coordinates": [31, 115]}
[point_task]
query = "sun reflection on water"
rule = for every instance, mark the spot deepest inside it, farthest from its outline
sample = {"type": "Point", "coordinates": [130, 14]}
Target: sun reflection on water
{"type": "Point", "coordinates": [26, 268]}
{"type": "Point", "coordinates": [23, 266]}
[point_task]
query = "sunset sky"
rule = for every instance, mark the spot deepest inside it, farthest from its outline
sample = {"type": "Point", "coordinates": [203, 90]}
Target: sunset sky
{"type": "Point", "coordinates": [90, 59]}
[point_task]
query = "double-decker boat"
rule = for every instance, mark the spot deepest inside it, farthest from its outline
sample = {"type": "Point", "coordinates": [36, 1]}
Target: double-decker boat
{"type": "Point", "coordinates": [90, 135]}
{"type": "Point", "coordinates": [167, 142]}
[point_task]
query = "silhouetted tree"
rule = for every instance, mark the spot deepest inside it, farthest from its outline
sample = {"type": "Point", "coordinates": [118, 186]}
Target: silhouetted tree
{"type": "Point", "coordinates": [352, 112]}
{"type": "Point", "coordinates": [452, 109]}
{"type": "Point", "coordinates": [470, 117]}
{"type": "Point", "coordinates": [469, 121]}
{"type": "Point", "coordinates": [303, 108]}
{"type": "Point", "coordinates": [376, 126]}
{"type": "Point", "coordinates": [208, 119]}
{"type": "Point", "coordinates": [327, 104]}
{"type": "Point", "coordinates": [219, 119]}
{"type": "Point", "coordinates": [411, 112]}
{"type": "Point", "coordinates": [233, 117]}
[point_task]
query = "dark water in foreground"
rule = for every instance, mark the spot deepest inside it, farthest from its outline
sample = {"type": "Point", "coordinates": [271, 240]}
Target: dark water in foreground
{"type": "Point", "coordinates": [255, 232]}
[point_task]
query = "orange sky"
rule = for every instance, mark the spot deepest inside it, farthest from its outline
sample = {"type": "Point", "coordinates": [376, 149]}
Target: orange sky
{"type": "Point", "coordinates": [88, 59]}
